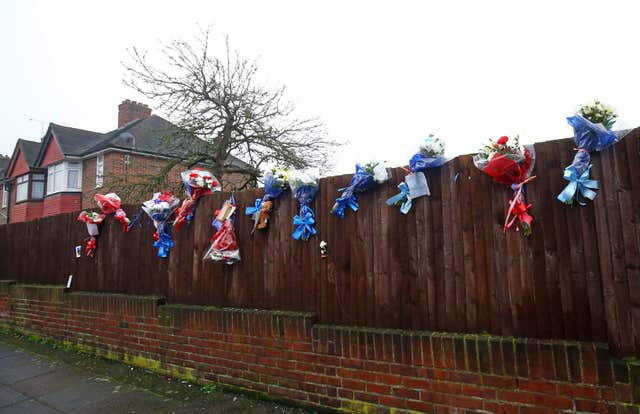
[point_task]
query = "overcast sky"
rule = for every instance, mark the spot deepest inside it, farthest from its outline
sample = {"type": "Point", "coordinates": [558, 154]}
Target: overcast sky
{"type": "Point", "coordinates": [381, 75]}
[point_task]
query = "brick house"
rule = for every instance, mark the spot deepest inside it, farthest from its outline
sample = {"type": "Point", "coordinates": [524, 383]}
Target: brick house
{"type": "Point", "coordinates": [4, 194]}
{"type": "Point", "coordinates": [69, 166]}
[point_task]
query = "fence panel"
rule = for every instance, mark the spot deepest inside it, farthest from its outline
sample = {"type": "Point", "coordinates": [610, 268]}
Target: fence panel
{"type": "Point", "coordinates": [446, 265]}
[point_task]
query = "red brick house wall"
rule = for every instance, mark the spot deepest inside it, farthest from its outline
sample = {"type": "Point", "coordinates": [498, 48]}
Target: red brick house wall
{"type": "Point", "coordinates": [53, 154]}
{"type": "Point", "coordinates": [61, 203]}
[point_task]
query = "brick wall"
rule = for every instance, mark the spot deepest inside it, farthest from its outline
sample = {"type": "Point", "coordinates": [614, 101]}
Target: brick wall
{"type": "Point", "coordinates": [117, 172]}
{"type": "Point", "coordinates": [60, 203]}
{"type": "Point", "coordinates": [287, 355]}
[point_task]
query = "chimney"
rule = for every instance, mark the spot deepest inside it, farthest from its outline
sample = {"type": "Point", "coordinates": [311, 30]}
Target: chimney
{"type": "Point", "coordinates": [130, 111]}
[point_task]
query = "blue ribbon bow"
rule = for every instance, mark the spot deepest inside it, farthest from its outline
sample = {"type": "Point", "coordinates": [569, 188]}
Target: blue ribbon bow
{"type": "Point", "coordinates": [304, 223]}
{"type": "Point", "coordinates": [581, 183]}
{"type": "Point", "coordinates": [250, 211]}
{"type": "Point", "coordinates": [402, 195]}
{"type": "Point", "coordinates": [348, 199]}
{"type": "Point", "coordinates": [164, 244]}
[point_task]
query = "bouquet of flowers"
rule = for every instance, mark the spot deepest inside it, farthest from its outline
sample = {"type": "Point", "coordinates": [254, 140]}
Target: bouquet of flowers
{"type": "Point", "coordinates": [160, 208]}
{"type": "Point", "coordinates": [198, 183]}
{"type": "Point", "coordinates": [599, 113]}
{"type": "Point", "coordinates": [224, 246]}
{"type": "Point", "coordinates": [512, 166]}
{"type": "Point", "coordinates": [304, 187]}
{"type": "Point", "coordinates": [364, 179]}
{"type": "Point", "coordinates": [92, 219]}
{"type": "Point", "coordinates": [591, 132]}
{"type": "Point", "coordinates": [430, 155]}
{"type": "Point", "coordinates": [276, 182]}
{"type": "Point", "coordinates": [110, 204]}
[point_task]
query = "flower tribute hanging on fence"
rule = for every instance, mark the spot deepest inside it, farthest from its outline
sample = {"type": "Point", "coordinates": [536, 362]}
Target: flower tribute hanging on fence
{"type": "Point", "coordinates": [509, 165]}
{"type": "Point", "coordinates": [160, 208]}
{"type": "Point", "coordinates": [110, 204]}
{"type": "Point", "coordinates": [92, 220]}
{"type": "Point", "coordinates": [276, 182]}
{"type": "Point", "coordinates": [364, 179]}
{"type": "Point", "coordinates": [197, 183]}
{"type": "Point", "coordinates": [224, 245]}
{"type": "Point", "coordinates": [304, 188]}
{"type": "Point", "coordinates": [591, 132]}
{"type": "Point", "coordinates": [430, 155]}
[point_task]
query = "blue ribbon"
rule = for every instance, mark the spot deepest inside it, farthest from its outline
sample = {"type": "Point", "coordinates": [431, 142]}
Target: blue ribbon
{"type": "Point", "coordinates": [164, 244]}
{"type": "Point", "coordinates": [304, 223]}
{"type": "Point", "coordinates": [581, 183]}
{"type": "Point", "coordinates": [343, 202]}
{"type": "Point", "coordinates": [250, 211]}
{"type": "Point", "coordinates": [402, 195]}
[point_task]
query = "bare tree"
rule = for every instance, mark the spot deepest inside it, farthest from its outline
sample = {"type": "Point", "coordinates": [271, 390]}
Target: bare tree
{"type": "Point", "coordinates": [217, 100]}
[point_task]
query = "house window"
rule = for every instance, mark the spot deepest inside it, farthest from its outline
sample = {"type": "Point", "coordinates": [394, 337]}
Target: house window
{"type": "Point", "coordinates": [22, 187]}
{"type": "Point", "coordinates": [99, 170]}
{"type": "Point", "coordinates": [37, 186]}
{"type": "Point", "coordinates": [64, 176]}
{"type": "Point", "coordinates": [5, 196]}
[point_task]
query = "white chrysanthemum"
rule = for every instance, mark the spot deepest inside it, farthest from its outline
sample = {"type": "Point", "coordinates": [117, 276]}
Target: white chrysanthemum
{"type": "Point", "coordinates": [380, 173]}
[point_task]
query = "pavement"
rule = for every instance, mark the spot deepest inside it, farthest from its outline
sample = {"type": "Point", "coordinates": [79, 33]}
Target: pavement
{"type": "Point", "coordinates": [41, 384]}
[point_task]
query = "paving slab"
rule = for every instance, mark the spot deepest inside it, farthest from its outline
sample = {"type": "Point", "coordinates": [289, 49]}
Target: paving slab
{"type": "Point", "coordinates": [28, 407]}
{"type": "Point", "coordinates": [50, 382]}
{"type": "Point", "coordinates": [82, 393]}
{"type": "Point", "coordinates": [19, 367]}
{"type": "Point", "coordinates": [132, 402]}
{"type": "Point", "coordinates": [9, 396]}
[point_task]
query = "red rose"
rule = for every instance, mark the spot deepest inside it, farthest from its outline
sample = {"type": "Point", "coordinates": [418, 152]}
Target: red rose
{"type": "Point", "coordinates": [503, 140]}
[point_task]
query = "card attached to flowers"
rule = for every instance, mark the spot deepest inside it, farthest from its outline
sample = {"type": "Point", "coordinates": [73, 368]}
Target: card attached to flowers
{"type": "Point", "coordinates": [415, 185]}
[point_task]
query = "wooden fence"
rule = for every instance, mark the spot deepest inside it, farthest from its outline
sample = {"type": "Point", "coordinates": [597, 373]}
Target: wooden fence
{"type": "Point", "coordinates": [447, 265]}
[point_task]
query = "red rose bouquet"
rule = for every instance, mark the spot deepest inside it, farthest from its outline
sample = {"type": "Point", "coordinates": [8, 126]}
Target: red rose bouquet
{"type": "Point", "coordinates": [510, 165]}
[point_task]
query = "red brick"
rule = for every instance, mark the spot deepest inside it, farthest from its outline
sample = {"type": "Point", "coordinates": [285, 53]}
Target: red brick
{"type": "Point", "coordinates": [537, 386]}
{"type": "Point", "coordinates": [595, 407]}
{"type": "Point", "coordinates": [581, 391]}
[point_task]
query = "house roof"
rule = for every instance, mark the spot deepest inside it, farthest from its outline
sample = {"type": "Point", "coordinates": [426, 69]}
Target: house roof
{"type": "Point", "coordinates": [4, 164]}
{"type": "Point", "coordinates": [153, 135]}
{"type": "Point", "coordinates": [29, 151]}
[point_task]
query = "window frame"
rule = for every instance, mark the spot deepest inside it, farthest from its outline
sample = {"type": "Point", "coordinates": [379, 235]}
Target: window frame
{"type": "Point", "coordinates": [58, 177]}
{"type": "Point", "coordinates": [22, 181]}
{"type": "Point", "coordinates": [5, 196]}
{"type": "Point", "coordinates": [33, 180]}
{"type": "Point", "coordinates": [99, 170]}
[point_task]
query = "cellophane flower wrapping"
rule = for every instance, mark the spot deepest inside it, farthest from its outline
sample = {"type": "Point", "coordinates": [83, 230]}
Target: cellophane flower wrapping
{"type": "Point", "coordinates": [276, 182]}
{"type": "Point", "coordinates": [304, 187]}
{"type": "Point", "coordinates": [110, 204]}
{"type": "Point", "coordinates": [224, 245]}
{"type": "Point", "coordinates": [363, 179]}
{"type": "Point", "coordinates": [92, 220]}
{"type": "Point", "coordinates": [588, 137]}
{"type": "Point", "coordinates": [430, 155]}
{"type": "Point", "coordinates": [160, 209]}
{"type": "Point", "coordinates": [197, 183]}
{"type": "Point", "coordinates": [510, 165]}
